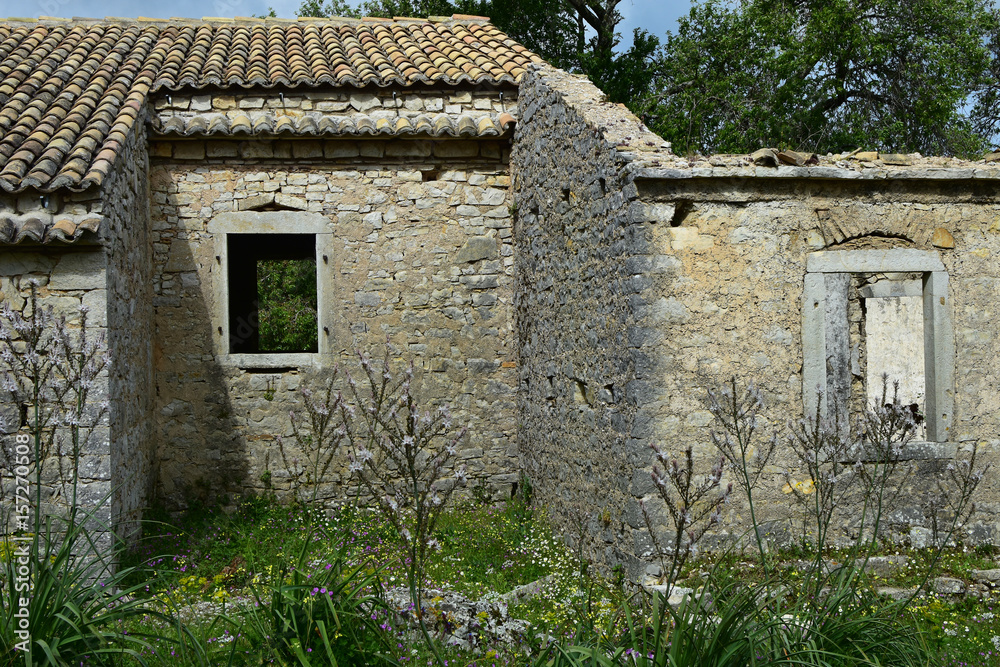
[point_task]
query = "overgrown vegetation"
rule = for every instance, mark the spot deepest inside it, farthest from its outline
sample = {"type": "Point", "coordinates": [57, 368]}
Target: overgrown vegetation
{"type": "Point", "coordinates": [286, 292]}
{"type": "Point", "coordinates": [64, 598]}
{"type": "Point", "coordinates": [393, 575]}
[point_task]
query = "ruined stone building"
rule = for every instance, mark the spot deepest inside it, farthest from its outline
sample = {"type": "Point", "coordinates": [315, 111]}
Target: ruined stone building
{"type": "Point", "coordinates": [555, 272]}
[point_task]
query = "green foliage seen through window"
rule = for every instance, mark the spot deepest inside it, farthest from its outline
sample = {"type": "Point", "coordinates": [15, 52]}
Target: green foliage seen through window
{"type": "Point", "coordinates": [286, 292]}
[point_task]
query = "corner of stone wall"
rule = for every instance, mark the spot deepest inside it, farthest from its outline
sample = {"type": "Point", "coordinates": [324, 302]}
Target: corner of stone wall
{"type": "Point", "coordinates": [587, 270]}
{"type": "Point", "coordinates": [128, 241]}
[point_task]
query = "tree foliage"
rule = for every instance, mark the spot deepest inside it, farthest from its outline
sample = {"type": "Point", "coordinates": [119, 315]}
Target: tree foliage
{"type": "Point", "coordinates": [737, 75]}
{"type": "Point", "coordinates": [286, 292]}
{"type": "Point", "coordinates": [577, 35]}
{"type": "Point", "coordinates": [824, 75]}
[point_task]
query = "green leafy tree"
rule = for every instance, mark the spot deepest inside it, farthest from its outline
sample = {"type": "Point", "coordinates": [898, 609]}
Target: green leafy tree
{"type": "Point", "coordinates": [824, 75]}
{"type": "Point", "coordinates": [578, 35]}
{"type": "Point", "coordinates": [286, 290]}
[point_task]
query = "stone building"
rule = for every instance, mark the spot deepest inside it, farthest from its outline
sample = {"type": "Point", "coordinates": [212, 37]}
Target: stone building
{"type": "Point", "coordinates": [553, 270]}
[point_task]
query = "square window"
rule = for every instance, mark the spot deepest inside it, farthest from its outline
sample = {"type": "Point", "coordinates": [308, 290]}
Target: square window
{"type": "Point", "coordinates": [272, 293]}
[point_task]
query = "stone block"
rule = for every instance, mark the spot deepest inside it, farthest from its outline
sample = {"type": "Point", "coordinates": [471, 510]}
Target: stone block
{"type": "Point", "coordinates": [371, 148]}
{"type": "Point", "coordinates": [477, 248]}
{"type": "Point", "coordinates": [251, 103]}
{"type": "Point", "coordinates": [161, 149]}
{"type": "Point", "coordinates": [408, 148]}
{"type": "Point", "coordinates": [289, 201]}
{"type": "Point", "coordinates": [79, 270]}
{"type": "Point", "coordinates": [97, 301]}
{"type": "Point", "coordinates": [189, 150]}
{"type": "Point", "coordinates": [201, 103]}
{"type": "Point", "coordinates": [484, 196]}
{"type": "Point", "coordinates": [688, 238]}
{"type": "Point", "coordinates": [331, 106]}
{"type": "Point", "coordinates": [255, 201]}
{"type": "Point", "coordinates": [256, 149]}
{"type": "Point", "coordinates": [456, 149]}
{"type": "Point", "coordinates": [13, 263]}
{"type": "Point", "coordinates": [221, 149]}
{"type": "Point", "coordinates": [10, 418]}
{"type": "Point", "coordinates": [369, 299]}
{"type": "Point", "coordinates": [364, 101]}
{"type": "Point", "coordinates": [943, 239]}
{"type": "Point", "coordinates": [282, 150]}
{"type": "Point", "coordinates": [986, 576]}
{"type": "Point", "coordinates": [948, 586]}
{"type": "Point", "coordinates": [307, 149]}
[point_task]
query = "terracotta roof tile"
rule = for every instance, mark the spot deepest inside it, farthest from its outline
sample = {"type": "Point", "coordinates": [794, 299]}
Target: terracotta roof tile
{"type": "Point", "coordinates": [71, 91]}
{"type": "Point", "coordinates": [316, 124]}
{"type": "Point", "coordinates": [44, 227]}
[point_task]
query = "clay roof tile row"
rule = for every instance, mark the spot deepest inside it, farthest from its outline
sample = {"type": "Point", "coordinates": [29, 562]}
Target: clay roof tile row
{"type": "Point", "coordinates": [434, 125]}
{"type": "Point", "coordinates": [71, 91]}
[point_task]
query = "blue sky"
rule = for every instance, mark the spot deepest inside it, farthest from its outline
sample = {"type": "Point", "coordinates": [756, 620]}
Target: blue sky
{"type": "Point", "coordinates": [656, 16]}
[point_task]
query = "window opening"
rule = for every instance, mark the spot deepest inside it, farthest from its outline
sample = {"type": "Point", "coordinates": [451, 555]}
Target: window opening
{"type": "Point", "coordinates": [893, 342]}
{"type": "Point", "coordinates": [272, 293]}
{"type": "Point", "coordinates": [872, 312]}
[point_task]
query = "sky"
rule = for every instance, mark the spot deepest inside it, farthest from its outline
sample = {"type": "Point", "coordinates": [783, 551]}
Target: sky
{"type": "Point", "coordinates": [656, 16]}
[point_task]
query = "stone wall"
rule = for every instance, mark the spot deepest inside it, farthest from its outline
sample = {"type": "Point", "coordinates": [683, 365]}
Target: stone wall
{"type": "Point", "coordinates": [130, 332]}
{"type": "Point", "coordinates": [216, 111]}
{"type": "Point", "coordinates": [422, 255]}
{"type": "Point", "coordinates": [109, 272]}
{"type": "Point", "coordinates": [587, 270]}
{"type": "Point", "coordinates": [646, 279]}
{"type": "Point", "coordinates": [67, 277]}
{"type": "Point", "coordinates": [742, 249]}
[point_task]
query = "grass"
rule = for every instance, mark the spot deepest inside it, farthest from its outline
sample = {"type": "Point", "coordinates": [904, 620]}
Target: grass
{"type": "Point", "coordinates": [274, 584]}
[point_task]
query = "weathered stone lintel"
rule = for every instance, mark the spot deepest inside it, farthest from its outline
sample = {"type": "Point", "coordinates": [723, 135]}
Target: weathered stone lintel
{"type": "Point", "coordinates": [873, 261]}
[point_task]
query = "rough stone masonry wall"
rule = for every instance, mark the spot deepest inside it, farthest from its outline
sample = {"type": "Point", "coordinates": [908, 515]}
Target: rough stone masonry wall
{"type": "Point", "coordinates": [130, 331]}
{"type": "Point", "coordinates": [423, 256]}
{"type": "Point", "coordinates": [214, 112]}
{"type": "Point", "coordinates": [741, 252]}
{"type": "Point", "coordinates": [67, 277]}
{"type": "Point", "coordinates": [586, 271]}
{"type": "Point", "coordinates": [662, 278]}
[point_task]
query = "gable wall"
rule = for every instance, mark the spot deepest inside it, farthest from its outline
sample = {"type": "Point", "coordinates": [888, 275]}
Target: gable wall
{"type": "Point", "coordinates": [398, 271]}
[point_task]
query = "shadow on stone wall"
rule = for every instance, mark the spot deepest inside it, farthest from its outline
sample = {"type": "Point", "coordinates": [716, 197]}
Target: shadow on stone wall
{"type": "Point", "coordinates": [201, 443]}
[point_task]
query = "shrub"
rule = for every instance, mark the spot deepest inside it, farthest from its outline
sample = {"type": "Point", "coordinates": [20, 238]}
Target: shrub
{"type": "Point", "coordinates": [320, 610]}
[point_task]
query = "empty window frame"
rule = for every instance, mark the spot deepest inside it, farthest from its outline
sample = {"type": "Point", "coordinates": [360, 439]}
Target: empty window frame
{"type": "Point", "coordinates": [827, 353]}
{"type": "Point", "coordinates": [272, 283]}
{"type": "Point", "coordinates": [272, 293]}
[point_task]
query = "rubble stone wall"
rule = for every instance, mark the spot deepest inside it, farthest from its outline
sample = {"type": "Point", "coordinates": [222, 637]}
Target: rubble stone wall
{"type": "Point", "coordinates": [422, 256]}
{"type": "Point", "coordinates": [742, 252]}
{"type": "Point", "coordinates": [130, 332]}
{"type": "Point", "coordinates": [65, 278]}
{"type": "Point", "coordinates": [662, 277]}
{"type": "Point", "coordinates": [587, 267]}
{"type": "Point", "coordinates": [376, 104]}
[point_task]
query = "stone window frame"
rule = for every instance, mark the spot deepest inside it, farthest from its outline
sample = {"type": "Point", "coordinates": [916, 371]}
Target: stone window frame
{"type": "Point", "coordinates": [824, 303]}
{"type": "Point", "coordinates": [272, 222]}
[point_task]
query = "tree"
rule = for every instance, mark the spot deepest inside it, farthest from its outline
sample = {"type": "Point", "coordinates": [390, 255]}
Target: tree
{"type": "Point", "coordinates": [578, 35]}
{"type": "Point", "coordinates": [286, 306]}
{"type": "Point", "coordinates": [823, 75]}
